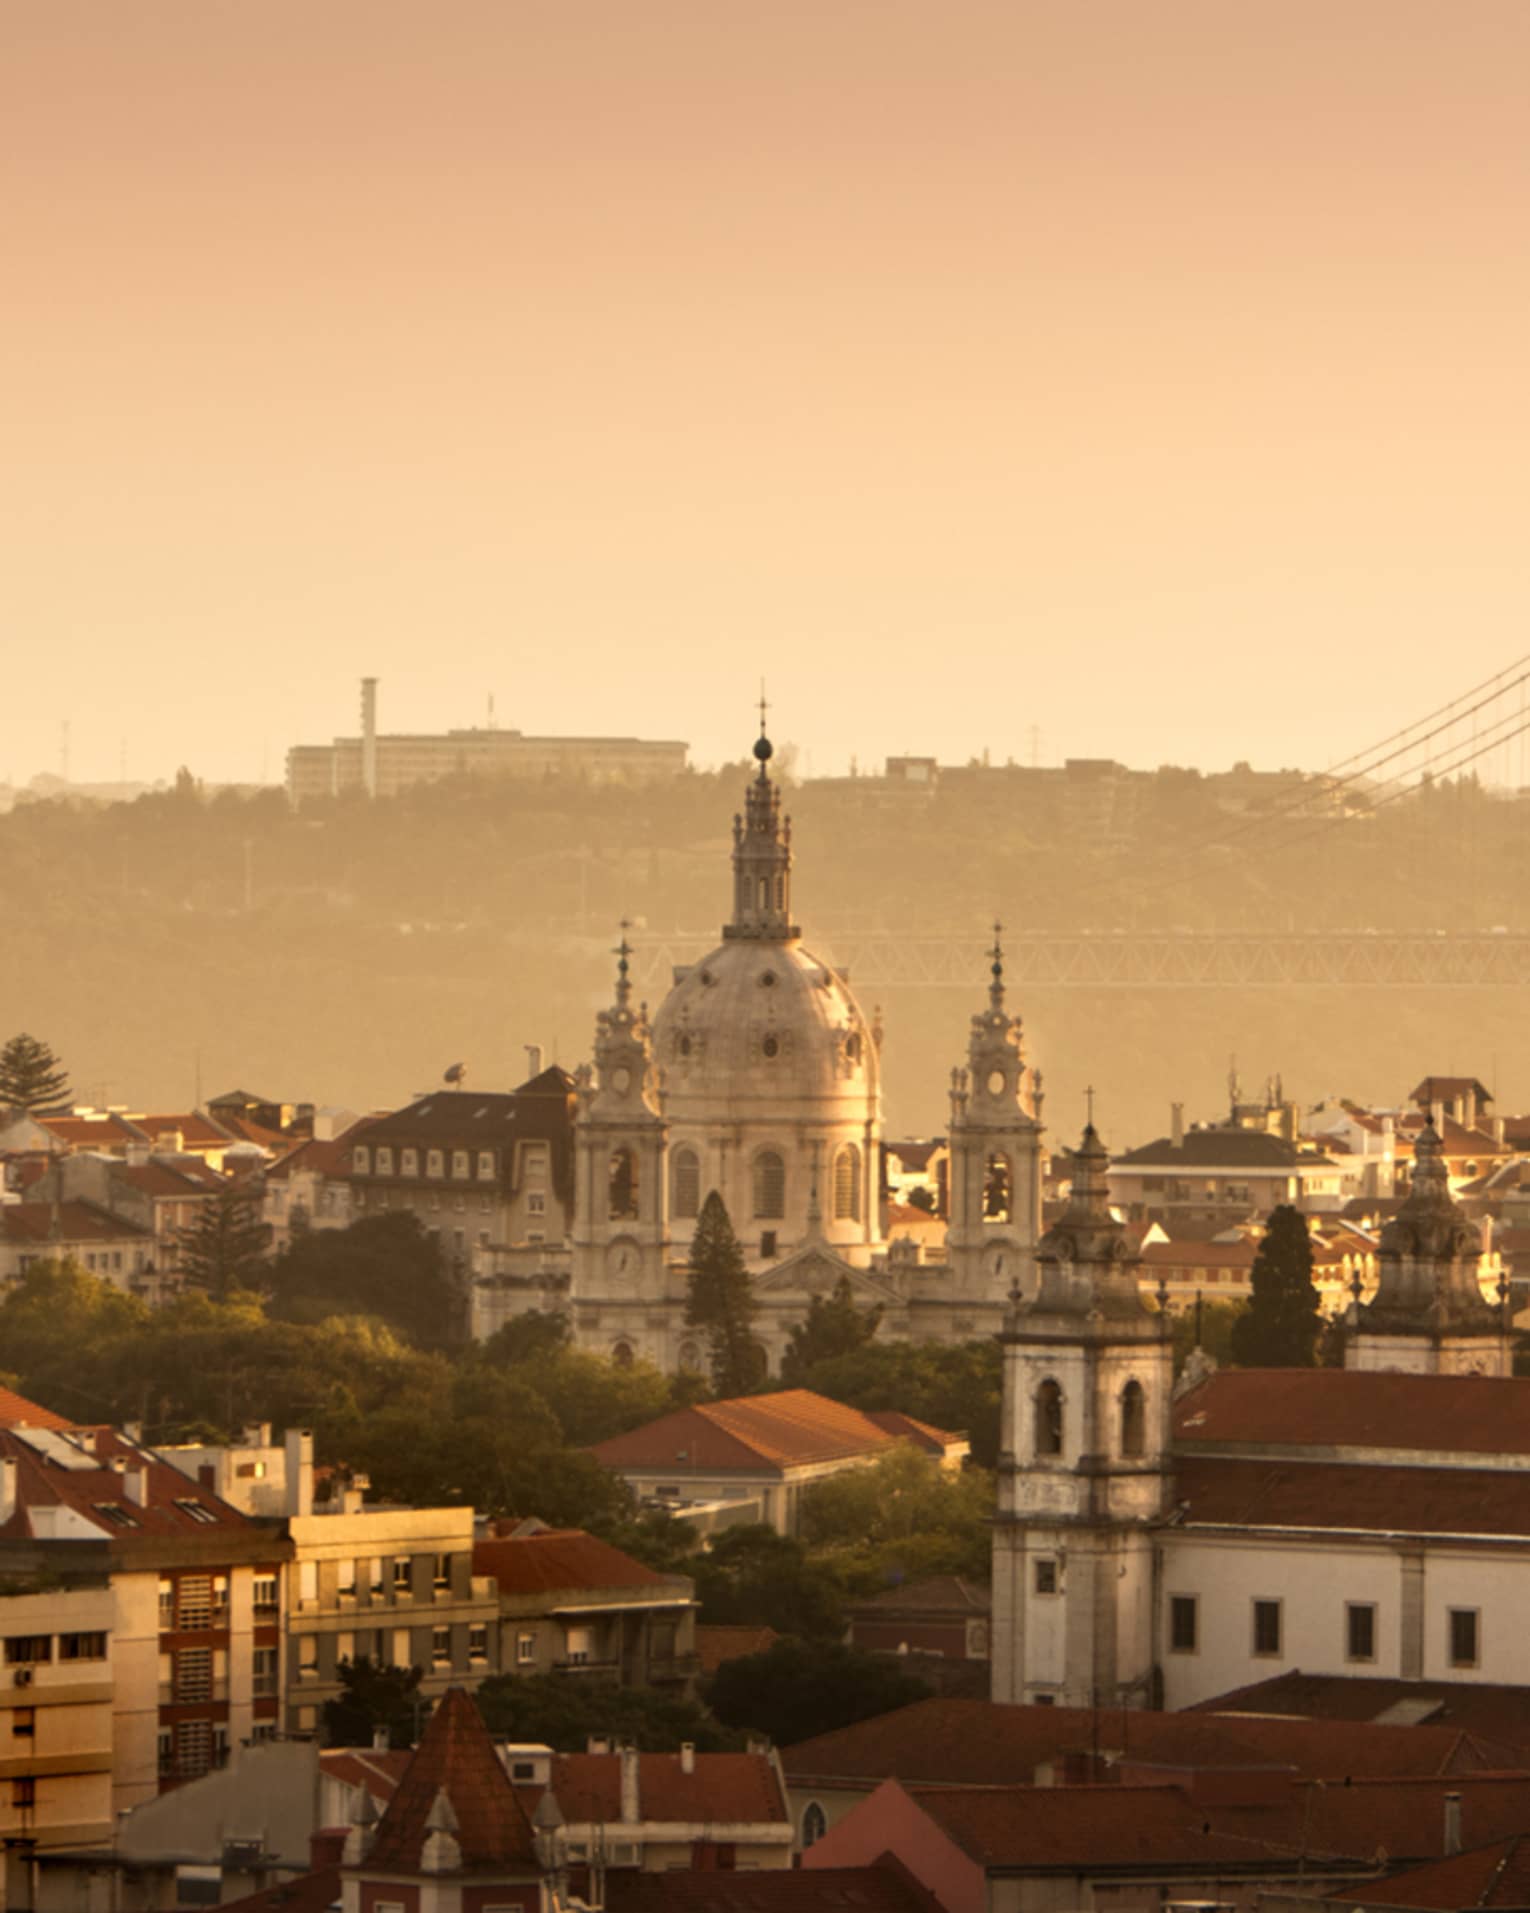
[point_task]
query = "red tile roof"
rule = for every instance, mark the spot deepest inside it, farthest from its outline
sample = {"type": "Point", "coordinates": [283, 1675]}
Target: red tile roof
{"type": "Point", "coordinates": [1490, 1712]}
{"type": "Point", "coordinates": [725, 1789]}
{"type": "Point", "coordinates": [941, 1594]}
{"type": "Point", "coordinates": [43, 1222]}
{"type": "Point", "coordinates": [17, 1412]}
{"type": "Point", "coordinates": [934, 1441]}
{"type": "Point", "coordinates": [1349, 1408]}
{"type": "Point", "coordinates": [790, 1429]}
{"type": "Point", "coordinates": [1355, 1496]}
{"type": "Point", "coordinates": [92, 1132]}
{"type": "Point", "coordinates": [884, 1888]}
{"type": "Point", "coordinates": [981, 1742]}
{"type": "Point", "coordinates": [1497, 1875]}
{"type": "Point", "coordinates": [178, 1176]}
{"type": "Point", "coordinates": [718, 1643]}
{"type": "Point", "coordinates": [559, 1559]}
{"type": "Point", "coordinates": [456, 1758]}
{"type": "Point", "coordinates": [74, 1471]}
{"type": "Point", "coordinates": [309, 1893]}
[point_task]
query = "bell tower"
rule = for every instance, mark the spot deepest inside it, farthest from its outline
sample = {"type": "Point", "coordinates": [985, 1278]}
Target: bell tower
{"type": "Point", "coordinates": [620, 1223]}
{"type": "Point", "coordinates": [994, 1193]}
{"type": "Point", "coordinates": [1083, 1465]}
{"type": "Point", "coordinates": [762, 857]}
{"type": "Point", "coordinates": [1429, 1315]}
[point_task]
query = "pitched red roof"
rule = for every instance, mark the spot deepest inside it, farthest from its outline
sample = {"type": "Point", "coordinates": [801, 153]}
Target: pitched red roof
{"type": "Point", "coordinates": [557, 1559]}
{"type": "Point", "coordinates": [790, 1429]}
{"type": "Point", "coordinates": [933, 1441]}
{"type": "Point", "coordinates": [740, 1789]}
{"type": "Point", "coordinates": [976, 1742]}
{"type": "Point", "coordinates": [1497, 1875]}
{"type": "Point", "coordinates": [940, 1594]}
{"type": "Point", "coordinates": [309, 1893]}
{"type": "Point", "coordinates": [1491, 1713]}
{"type": "Point", "coordinates": [43, 1222]}
{"type": "Point", "coordinates": [456, 1758]}
{"type": "Point", "coordinates": [718, 1643]}
{"type": "Point", "coordinates": [74, 1471]}
{"type": "Point", "coordinates": [1355, 1408]}
{"type": "Point", "coordinates": [1227, 1492]}
{"type": "Point", "coordinates": [884, 1888]}
{"type": "Point", "coordinates": [17, 1412]}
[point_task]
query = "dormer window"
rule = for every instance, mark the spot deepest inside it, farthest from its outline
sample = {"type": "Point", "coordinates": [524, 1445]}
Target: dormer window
{"type": "Point", "coordinates": [460, 1166]}
{"type": "Point", "coordinates": [361, 1160]}
{"type": "Point", "coordinates": [435, 1163]}
{"type": "Point", "coordinates": [485, 1165]}
{"type": "Point", "coordinates": [384, 1160]}
{"type": "Point", "coordinates": [409, 1162]}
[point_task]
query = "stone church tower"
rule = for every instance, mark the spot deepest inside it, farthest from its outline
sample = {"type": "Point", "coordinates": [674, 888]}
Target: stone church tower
{"type": "Point", "coordinates": [1429, 1315]}
{"type": "Point", "coordinates": [994, 1194]}
{"type": "Point", "coordinates": [1083, 1465]}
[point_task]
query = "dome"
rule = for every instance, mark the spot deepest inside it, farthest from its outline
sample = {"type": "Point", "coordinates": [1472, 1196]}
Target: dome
{"type": "Point", "coordinates": [762, 1028]}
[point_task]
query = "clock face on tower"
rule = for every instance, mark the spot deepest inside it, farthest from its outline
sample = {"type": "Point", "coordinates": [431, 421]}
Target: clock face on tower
{"type": "Point", "coordinates": [621, 1259]}
{"type": "Point", "coordinates": [999, 1261]}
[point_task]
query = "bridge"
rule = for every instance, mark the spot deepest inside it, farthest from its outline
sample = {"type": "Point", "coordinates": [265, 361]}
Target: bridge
{"type": "Point", "coordinates": [1137, 960]}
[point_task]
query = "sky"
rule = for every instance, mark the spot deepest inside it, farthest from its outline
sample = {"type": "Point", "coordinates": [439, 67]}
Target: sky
{"type": "Point", "coordinates": [1132, 378]}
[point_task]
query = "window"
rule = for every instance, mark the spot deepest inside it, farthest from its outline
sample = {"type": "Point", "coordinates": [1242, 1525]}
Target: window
{"type": "Point", "coordinates": [486, 1165]}
{"type": "Point", "coordinates": [28, 1650]}
{"type": "Point", "coordinates": [378, 1577]}
{"type": "Point", "coordinates": [998, 1186]}
{"type": "Point", "coordinates": [1464, 1644]}
{"type": "Point", "coordinates": [1359, 1631]}
{"type": "Point", "coordinates": [435, 1163]}
{"type": "Point", "coordinates": [220, 1600]}
{"type": "Point", "coordinates": [578, 1648]}
{"type": "Point", "coordinates": [1184, 1623]}
{"type": "Point", "coordinates": [166, 1606]}
{"type": "Point", "coordinates": [384, 1160]}
{"type": "Point", "coordinates": [1267, 1628]}
{"type": "Point", "coordinates": [1046, 1575]}
{"type": "Point", "coordinates": [265, 1596]}
{"type": "Point", "coordinates": [402, 1583]}
{"type": "Point", "coordinates": [193, 1747]}
{"type": "Point", "coordinates": [409, 1162]}
{"type": "Point", "coordinates": [847, 1184]}
{"type": "Point", "coordinates": [460, 1163]}
{"type": "Point", "coordinates": [525, 1649]}
{"type": "Point", "coordinates": [815, 1823]}
{"type": "Point", "coordinates": [193, 1674]}
{"type": "Point", "coordinates": [307, 1646]}
{"type": "Point", "coordinates": [1049, 1419]}
{"type": "Point", "coordinates": [767, 1245]}
{"type": "Point", "coordinates": [403, 1654]}
{"type": "Point", "coordinates": [441, 1574]}
{"type": "Point", "coordinates": [1133, 1421]}
{"type": "Point", "coordinates": [263, 1672]}
{"type": "Point", "coordinates": [193, 1603]}
{"type": "Point", "coordinates": [623, 1185]}
{"type": "Point", "coordinates": [441, 1646]}
{"type": "Point", "coordinates": [166, 1743]}
{"type": "Point", "coordinates": [623, 1355]}
{"type": "Point", "coordinates": [82, 1647]}
{"type": "Point", "coordinates": [345, 1580]}
{"type": "Point", "coordinates": [308, 1582]}
{"type": "Point", "coordinates": [769, 1185]}
{"type": "Point", "coordinates": [24, 1793]}
{"type": "Point", "coordinates": [536, 1203]}
{"type": "Point", "coordinates": [478, 1641]}
{"type": "Point", "coordinates": [24, 1722]}
{"type": "Point", "coordinates": [685, 1185]}
{"type": "Point", "coordinates": [361, 1160]}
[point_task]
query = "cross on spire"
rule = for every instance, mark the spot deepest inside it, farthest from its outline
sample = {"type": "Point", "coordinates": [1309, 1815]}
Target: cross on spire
{"type": "Point", "coordinates": [1089, 1104]}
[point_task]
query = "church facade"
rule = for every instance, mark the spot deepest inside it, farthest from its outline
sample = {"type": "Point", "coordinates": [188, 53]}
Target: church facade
{"type": "Point", "coordinates": [759, 1077]}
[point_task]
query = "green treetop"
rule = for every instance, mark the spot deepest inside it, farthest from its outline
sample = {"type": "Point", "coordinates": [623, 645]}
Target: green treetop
{"type": "Point", "coordinates": [1281, 1325]}
{"type": "Point", "coordinates": [720, 1300]}
{"type": "Point", "coordinates": [31, 1076]}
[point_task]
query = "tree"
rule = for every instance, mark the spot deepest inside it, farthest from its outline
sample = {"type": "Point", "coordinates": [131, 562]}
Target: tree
{"type": "Point", "coordinates": [562, 1713]}
{"type": "Point", "coordinates": [225, 1248]}
{"type": "Point", "coordinates": [533, 1333]}
{"type": "Point", "coordinates": [720, 1300]}
{"type": "Point", "coordinates": [1281, 1325]}
{"type": "Point", "coordinates": [31, 1076]}
{"type": "Point", "coordinates": [389, 1265]}
{"type": "Point", "coordinates": [754, 1577]}
{"type": "Point", "coordinates": [902, 1519]}
{"type": "Point", "coordinates": [1213, 1322]}
{"type": "Point", "coordinates": [373, 1696]}
{"type": "Point", "coordinates": [834, 1327]}
{"type": "Point", "coordinates": [799, 1688]}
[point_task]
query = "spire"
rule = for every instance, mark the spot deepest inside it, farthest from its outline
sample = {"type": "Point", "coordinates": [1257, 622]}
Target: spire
{"type": "Point", "coordinates": [454, 1790]}
{"type": "Point", "coordinates": [996, 967]}
{"type": "Point", "coordinates": [762, 856]}
{"type": "Point", "coordinates": [1087, 1264]}
{"type": "Point", "coordinates": [622, 953]}
{"type": "Point", "coordinates": [1428, 1258]}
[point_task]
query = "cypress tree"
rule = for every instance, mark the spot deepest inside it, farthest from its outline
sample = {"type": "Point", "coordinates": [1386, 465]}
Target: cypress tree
{"type": "Point", "coordinates": [1281, 1325]}
{"type": "Point", "coordinates": [720, 1300]}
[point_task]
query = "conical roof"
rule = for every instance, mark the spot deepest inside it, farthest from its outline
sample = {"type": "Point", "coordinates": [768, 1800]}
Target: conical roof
{"type": "Point", "coordinates": [455, 1775]}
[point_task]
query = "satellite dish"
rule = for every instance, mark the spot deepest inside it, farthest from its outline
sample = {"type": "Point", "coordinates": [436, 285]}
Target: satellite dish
{"type": "Point", "coordinates": [456, 1074]}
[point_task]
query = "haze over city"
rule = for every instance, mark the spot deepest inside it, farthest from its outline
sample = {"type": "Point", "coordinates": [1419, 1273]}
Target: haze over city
{"type": "Point", "coordinates": [1105, 379]}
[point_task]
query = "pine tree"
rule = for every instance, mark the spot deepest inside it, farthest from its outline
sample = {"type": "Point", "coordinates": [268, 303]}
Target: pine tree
{"type": "Point", "coordinates": [834, 1327]}
{"type": "Point", "coordinates": [31, 1076]}
{"type": "Point", "coordinates": [1281, 1325]}
{"type": "Point", "coordinates": [225, 1248]}
{"type": "Point", "coordinates": [720, 1301]}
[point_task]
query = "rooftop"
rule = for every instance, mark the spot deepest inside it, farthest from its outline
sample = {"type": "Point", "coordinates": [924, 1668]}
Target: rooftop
{"type": "Point", "coordinates": [559, 1559]}
{"type": "Point", "coordinates": [455, 1759]}
{"type": "Point", "coordinates": [793, 1428]}
{"type": "Point", "coordinates": [1327, 1408]}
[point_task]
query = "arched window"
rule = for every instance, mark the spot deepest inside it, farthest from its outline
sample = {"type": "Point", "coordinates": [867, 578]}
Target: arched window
{"type": "Point", "coordinates": [997, 1189]}
{"type": "Point", "coordinates": [1133, 1420]}
{"type": "Point", "coordinates": [1049, 1419]}
{"type": "Point", "coordinates": [690, 1358]}
{"type": "Point", "coordinates": [769, 1186]}
{"type": "Point", "coordinates": [685, 1185]}
{"type": "Point", "coordinates": [815, 1823]}
{"type": "Point", "coordinates": [622, 1355]}
{"type": "Point", "coordinates": [847, 1184]}
{"type": "Point", "coordinates": [624, 1185]}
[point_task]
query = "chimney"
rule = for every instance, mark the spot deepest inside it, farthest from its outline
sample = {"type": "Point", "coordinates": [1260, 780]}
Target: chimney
{"type": "Point", "coordinates": [135, 1483]}
{"type": "Point", "coordinates": [299, 1446]}
{"type": "Point", "coordinates": [257, 1434]}
{"type": "Point", "coordinates": [1437, 1117]}
{"type": "Point", "coordinates": [369, 736]}
{"type": "Point", "coordinates": [631, 1805]}
{"type": "Point", "coordinates": [7, 1487]}
{"type": "Point", "coordinates": [687, 1756]}
{"type": "Point", "coordinates": [1499, 1132]}
{"type": "Point", "coordinates": [380, 1740]}
{"type": "Point", "coordinates": [533, 1059]}
{"type": "Point", "coordinates": [1468, 1117]}
{"type": "Point", "coordinates": [1452, 1824]}
{"type": "Point", "coordinates": [1177, 1124]}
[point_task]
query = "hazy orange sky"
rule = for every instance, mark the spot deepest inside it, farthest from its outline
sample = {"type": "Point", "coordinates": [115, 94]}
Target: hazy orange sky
{"type": "Point", "coordinates": [1149, 372]}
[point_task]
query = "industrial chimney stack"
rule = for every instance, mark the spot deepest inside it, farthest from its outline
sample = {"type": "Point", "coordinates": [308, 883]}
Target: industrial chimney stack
{"type": "Point", "coordinates": [369, 736]}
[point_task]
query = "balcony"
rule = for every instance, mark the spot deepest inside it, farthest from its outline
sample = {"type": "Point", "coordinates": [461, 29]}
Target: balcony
{"type": "Point", "coordinates": [588, 1665]}
{"type": "Point", "coordinates": [673, 1667]}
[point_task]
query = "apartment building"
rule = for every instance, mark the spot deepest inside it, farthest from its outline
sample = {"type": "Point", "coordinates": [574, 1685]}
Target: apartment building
{"type": "Point", "coordinates": [56, 1691]}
